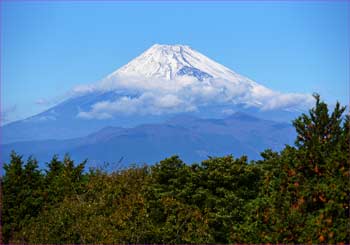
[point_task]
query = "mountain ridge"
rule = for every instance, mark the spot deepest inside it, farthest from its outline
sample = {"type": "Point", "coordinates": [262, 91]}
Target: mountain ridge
{"type": "Point", "coordinates": [192, 139]}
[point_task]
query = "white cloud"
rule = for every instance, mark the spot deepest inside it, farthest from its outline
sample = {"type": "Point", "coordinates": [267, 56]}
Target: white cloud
{"type": "Point", "coordinates": [84, 89]}
{"type": "Point", "coordinates": [271, 100]}
{"type": "Point", "coordinates": [168, 101]}
{"type": "Point", "coordinates": [146, 104]}
{"type": "Point", "coordinates": [287, 101]}
{"type": "Point", "coordinates": [160, 96]}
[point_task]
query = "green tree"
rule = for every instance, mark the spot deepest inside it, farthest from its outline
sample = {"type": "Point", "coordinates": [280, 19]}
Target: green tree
{"type": "Point", "coordinates": [304, 195]}
{"type": "Point", "coordinates": [63, 179]}
{"type": "Point", "coordinates": [22, 194]}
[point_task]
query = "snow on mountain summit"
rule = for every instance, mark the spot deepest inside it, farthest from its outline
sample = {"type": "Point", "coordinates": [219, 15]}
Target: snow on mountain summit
{"type": "Point", "coordinates": [171, 61]}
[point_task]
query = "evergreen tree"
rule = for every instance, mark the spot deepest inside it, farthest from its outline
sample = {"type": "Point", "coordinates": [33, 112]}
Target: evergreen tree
{"type": "Point", "coordinates": [22, 194]}
{"type": "Point", "coordinates": [304, 195]}
{"type": "Point", "coordinates": [63, 179]}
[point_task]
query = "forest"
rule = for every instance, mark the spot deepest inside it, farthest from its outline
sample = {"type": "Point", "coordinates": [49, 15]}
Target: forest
{"type": "Point", "coordinates": [298, 195]}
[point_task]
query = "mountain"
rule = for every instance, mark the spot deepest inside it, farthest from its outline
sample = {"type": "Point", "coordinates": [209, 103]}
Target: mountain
{"type": "Point", "coordinates": [192, 138]}
{"type": "Point", "coordinates": [164, 81]}
{"type": "Point", "coordinates": [172, 61]}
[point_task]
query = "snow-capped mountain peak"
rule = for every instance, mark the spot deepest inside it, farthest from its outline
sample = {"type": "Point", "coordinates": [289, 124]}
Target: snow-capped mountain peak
{"type": "Point", "coordinates": [164, 80]}
{"type": "Point", "coordinates": [168, 79]}
{"type": "Point", "coordinates": [171, 61]}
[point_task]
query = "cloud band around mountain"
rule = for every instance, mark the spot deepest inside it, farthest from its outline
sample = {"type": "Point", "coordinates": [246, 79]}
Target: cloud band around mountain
{"type": "Point", "coordinates": [161, 96]}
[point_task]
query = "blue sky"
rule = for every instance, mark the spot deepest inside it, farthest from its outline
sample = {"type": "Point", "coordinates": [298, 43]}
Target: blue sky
{"type": "Point", "coordinates": [47, 48]}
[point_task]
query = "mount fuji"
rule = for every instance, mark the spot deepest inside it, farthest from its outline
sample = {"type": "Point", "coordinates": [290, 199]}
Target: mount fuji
{"type": "Point", "coordinates": [163, 83]}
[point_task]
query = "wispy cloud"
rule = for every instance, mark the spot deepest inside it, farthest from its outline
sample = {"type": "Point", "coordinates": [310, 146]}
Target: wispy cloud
{"type": "Point", "coordinates": [43, 102]}
{"type": "Point", "coordinates": [49, 102]}
{"type": "Point", "coordinates": [8, 114]}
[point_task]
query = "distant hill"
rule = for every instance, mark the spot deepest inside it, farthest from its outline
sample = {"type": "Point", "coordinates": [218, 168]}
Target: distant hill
{"type": "Point", "coordinates": [192, 138]}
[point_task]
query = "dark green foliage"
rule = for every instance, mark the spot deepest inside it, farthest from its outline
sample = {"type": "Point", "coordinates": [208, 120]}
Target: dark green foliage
{"type": "Point", "coordinates": [63, 179]}
{"type": "Point", "coordinates": [22, 188]}
{"type": "Point", "coordinates": [27, 192]}
{"type": "Point", "coordinates": [298, 195]}
{"type": "Point", "coordinates": [304, 195]}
